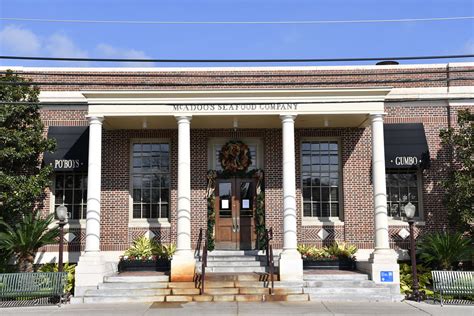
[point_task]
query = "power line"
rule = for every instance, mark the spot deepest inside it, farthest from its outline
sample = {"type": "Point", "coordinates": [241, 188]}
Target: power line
{"type": "Point", "coordinates": [289, 60]}
{"type": "Point", "coordinates": [434, 19]}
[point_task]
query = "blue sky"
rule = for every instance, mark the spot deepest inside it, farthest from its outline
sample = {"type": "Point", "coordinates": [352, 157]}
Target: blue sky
{"type": "Point", "coordinates": [233, 41]}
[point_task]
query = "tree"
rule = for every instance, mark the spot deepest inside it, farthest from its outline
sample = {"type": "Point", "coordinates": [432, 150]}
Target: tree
{"type": "Point", "coordinates": [22, 178]}
{"type": "Point", "coordinates": [25, 238]}
{"type": "Point", "coordinates": [459, 186]}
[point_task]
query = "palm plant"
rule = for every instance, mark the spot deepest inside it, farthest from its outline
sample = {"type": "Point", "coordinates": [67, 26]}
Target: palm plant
{"type": "Point", "coordinates": [445, 250]}
{"type": "Point", "coordinates": [25, 238]}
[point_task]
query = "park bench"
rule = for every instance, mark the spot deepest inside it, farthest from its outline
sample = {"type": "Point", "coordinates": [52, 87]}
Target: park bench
{"type": "Point", "coordinates": [457, 283]}
{"type": "Point", "coordinates": [25, 286]}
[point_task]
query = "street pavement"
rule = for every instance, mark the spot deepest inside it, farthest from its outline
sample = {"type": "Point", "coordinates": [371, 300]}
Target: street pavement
{"type": "Point", "coordinates": [236, 308]}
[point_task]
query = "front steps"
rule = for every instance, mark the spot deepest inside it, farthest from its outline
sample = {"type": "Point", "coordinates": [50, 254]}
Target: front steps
{"type": "Point", "coordinates": [347, 287]}
{"type": "Point", "coordinates": [235, 261]}
{"type": "Point", "coordinates": [218, 288]}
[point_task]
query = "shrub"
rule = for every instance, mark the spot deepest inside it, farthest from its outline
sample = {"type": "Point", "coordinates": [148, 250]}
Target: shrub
{"type": "Point", "coordinates": [145, 248]}
{"type": "Point", "coordinates": [334, 251]}
{"type": "Point", "coordinates": [443, 250]}
{"type": "Point", "coordinates": [67, 267]}
{"type": "Point", "coordinates": [406, 279]}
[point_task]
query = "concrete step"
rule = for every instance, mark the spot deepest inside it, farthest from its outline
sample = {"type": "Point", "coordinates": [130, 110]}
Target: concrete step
{"type": "Point", "coordinates": [352, 298]}
{"type": "Point", "coordinates": [179, 298]}
{"type": "Point", "coordinates": [254, 290]}
{"type": "Point", "coordinates": [216, 253]}
{"type": "Point", "coordinates": [131, 286]}
{"type": "Point", "coordinates": [178, 291]}
{"type": "Point", "coordinates": [346, 291]}
{"type": "Point", "coordinates": [227, 269]}
{"type": "Point", "coordinates": [136, 279]}
{"type": "Point", "coordinates": [336, 277]}
{"type": "Point", "coordinates": [221, 291]}
{"type": "Point", "coordinates": [231, 258]}
{"type": "Point", "coordinates": [127, 292]}
{"type": "Point", "coordinates": [234, 264]}
{"type": "Point", "coordinates": [220, 284]}
{"type": "Point", "coordinates": [287, 298]}
{"type": "Point", "coordinates": [244, 277]}
{"type": "Point", "coordinates": [122, 299]}
{"type": "Point", "coordinates": [286, 291]}
{"type": "Point", "coordinates": [339, 283]}
{"type": "Point", "coordinates": [181, 285]}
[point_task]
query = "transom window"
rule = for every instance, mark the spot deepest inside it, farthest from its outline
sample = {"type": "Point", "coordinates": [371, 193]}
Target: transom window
{"type": "Point", "coordinates": [253, 155]}
{"type": "Point", "coordinates": [320, 175]}
{"type": "Point", "coordinates": [402, 187]}
{"type": "Point", "coordinates": [151, 180]}
{"type": "Point", "coordinates": [71, 189]}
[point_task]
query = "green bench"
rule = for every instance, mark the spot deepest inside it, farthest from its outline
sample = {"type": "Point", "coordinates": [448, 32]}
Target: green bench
{"type": "Point", "coordinates": [457, 283]}
{"type": "Point", "coordinates": [18, 287]}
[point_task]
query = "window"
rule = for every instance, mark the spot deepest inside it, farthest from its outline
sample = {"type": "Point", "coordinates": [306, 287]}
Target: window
{"type": "Point", "coordinates": [151, 180]}
{"type": "Point", "coordinates": [402, 187]}
{"type": "Point", "coordinates": [71, 189]}
{"type": "Point", "coordinates": [320, 176]}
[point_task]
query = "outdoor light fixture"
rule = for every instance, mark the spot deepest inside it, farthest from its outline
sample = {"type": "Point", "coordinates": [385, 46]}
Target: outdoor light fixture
{"type": "Point", "coordinates": [410, 210]}
{"type": "Point", "coordinates": [145, 124]}
{"type": "Point", "coordinates": [61, 213]}
{"type": "Point", "coordinates": [235, 124]}
{"type": "Point", "coordinates": [326, 122]}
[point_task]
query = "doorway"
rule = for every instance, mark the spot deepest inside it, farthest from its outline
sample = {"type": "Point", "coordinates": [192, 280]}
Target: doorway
{"type": "Point", "coordinates": [235, 205]}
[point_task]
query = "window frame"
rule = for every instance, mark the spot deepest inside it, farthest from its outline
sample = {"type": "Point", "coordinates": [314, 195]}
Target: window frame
{"type": "Point", "coordinates": [317, 220]}
{"type": "Point", "coordinates": [70, 223]}
{"type": "Point", "coordinates": [419, 182]}
{"type": "Point", "coordinates": [220, 141]}
{"type": "Point", "coordinates": [147, 222]}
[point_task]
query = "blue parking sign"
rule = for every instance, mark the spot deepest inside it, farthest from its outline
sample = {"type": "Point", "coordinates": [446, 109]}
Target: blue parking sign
{"type": "Point", "coordinates": [386, 276]}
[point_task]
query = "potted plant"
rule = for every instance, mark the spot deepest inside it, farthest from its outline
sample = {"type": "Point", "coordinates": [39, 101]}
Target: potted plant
{"type": "Point", "coordinates": [146, 255]}
{"type": "Point", "coordinates": [338, 256]}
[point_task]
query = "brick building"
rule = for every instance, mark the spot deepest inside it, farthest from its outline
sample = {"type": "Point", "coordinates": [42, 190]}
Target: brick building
{"type": "Point", "coordinates": [138, 144]}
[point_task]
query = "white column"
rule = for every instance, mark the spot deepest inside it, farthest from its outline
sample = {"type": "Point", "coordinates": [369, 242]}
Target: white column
{"type": "Point", "coordinates": [379, 186]}
{"type": "Point", "coordinates": [94, 177]}
{"type": "Point", "coordinates": [91, 268]}
{"type": "Point", "coordinates": [183, 263]}
{"type": "Point", "coordinates": [382, 265]}
{"type": "Point", "coordinates": [291, 264]}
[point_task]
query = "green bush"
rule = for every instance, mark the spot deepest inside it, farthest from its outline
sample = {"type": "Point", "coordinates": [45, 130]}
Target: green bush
{"type": "Point", "coordinates": [442, 250]}
{"type": "Point", "coordinates": [144, 248]}
{"type": "Point", "coordinates": [335, 251]}
{"type": "Point", "coordinates": [406, 279]}
{"type": "Point", "coordinates": [67, 267]}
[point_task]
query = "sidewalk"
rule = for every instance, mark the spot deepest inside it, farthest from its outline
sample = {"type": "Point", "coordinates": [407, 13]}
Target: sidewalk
{"type": "Point", "coordinates": [235, 308]}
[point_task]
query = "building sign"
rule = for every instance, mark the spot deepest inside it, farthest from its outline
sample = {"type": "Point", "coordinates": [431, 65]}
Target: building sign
{"type": "Point", "coordinates": [386, 276]}
{"type": "Point", "coordinates": [405, 161]}
{"type": "Point", "coordinates": [236, 107]}
{"type": "Point", "coordinates": [67, 164]}
{"type": "Point", "coordinates": [72, 148]}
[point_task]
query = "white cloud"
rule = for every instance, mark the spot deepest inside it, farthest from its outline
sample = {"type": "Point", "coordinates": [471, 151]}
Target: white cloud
{"type": "Point", "coordinates": [60, 45]}
{"type": "Point", "coordinates": [19, 41]}
{"type": "Point", "coordinates": [108, 51]}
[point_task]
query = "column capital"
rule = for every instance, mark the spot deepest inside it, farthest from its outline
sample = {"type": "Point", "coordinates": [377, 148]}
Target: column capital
{"type": "Point", "coordinates": [183, 118]}
{"type": "Point", "coordinates": [377, 117]}
{"type": "Point", "coordinates": [288, 117]}
{"type": "Point", "coordinates": [95, 119]}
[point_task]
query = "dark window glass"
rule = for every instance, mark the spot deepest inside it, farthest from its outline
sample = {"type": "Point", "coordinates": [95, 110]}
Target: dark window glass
{"type": "Point", "coordinates": [402, 187]}
{"type": "Point", "coordinates": [71, 189]}
{"type": "Point", "coordinates": [320, 178]}
{"type": "Point", "coordinates": [151, 191]}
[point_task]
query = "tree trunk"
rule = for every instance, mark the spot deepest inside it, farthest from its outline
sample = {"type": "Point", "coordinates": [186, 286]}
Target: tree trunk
{"type": "Point", "coordinates": [25, 262]}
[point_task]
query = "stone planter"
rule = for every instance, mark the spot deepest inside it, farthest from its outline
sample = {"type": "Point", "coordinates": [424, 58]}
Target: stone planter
{"type": "Point", "coordinates": [329, 264]}
{"type": "Point", "coordinates": [144, 265]}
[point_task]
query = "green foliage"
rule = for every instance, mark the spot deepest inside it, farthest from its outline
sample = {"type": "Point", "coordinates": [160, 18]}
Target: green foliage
{"type": "Point", "coordinates": [22, 180]}
{"type": "Point", "coordinates": [25, 238]}
{"type": "Point", "coordinates": [211, 221]}
{"type": "Point", "coordinates": [459, 187]}
{"type": "Point", "coordinates": [406, 279]}
{"type": "Point", "coordinates": [337, 250]}
{"type": "Point", "coordinates": [443, 250]}
{"type": "Point", "coordinates": [146, 248]}
{"type": "Point", "coordinates": [69, 268]}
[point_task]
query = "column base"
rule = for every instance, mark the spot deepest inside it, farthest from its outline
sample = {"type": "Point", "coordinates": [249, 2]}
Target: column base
{"type": "Point", "coordinates": [90, 271]}
{"type": "Point", "coordinates": [291, 266]}
{"type": "Point", "coordinates": [382, 267]}
{"type": "Point", "coordinates": [183, 266]}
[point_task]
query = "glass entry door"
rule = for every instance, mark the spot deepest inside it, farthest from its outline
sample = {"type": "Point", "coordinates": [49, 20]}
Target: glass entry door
{"type": "Point", "coordinates": [235, 209]}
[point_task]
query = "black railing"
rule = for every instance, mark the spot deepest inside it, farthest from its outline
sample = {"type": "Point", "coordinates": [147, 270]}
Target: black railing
{"type": "Point", "coordinates": [197, 252]}
{"type": "Point", "coordinates": [269, 253]}
{"type": "Point", "coordinates": [204, 264]}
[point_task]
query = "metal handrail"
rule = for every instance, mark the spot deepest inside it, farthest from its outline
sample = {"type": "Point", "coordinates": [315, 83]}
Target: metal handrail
{"type": "Point", "coordinates": [269, 254]}
{"type": "Point", "coordinates": [197, 251]}
{"type": "Point", "coordinates": [204, 264]}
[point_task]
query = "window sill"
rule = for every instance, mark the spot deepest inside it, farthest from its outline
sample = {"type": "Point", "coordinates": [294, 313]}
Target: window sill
{"type": "Point", "coordinates": [320, 221]}
{"type": "Point", "coordinates": [399, 222]}
{"type": "Point", "coordinates": [137, 223]}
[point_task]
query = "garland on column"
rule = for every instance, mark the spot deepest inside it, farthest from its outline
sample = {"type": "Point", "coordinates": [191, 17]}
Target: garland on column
{"type": "Point", "coordinates": [211, 205]}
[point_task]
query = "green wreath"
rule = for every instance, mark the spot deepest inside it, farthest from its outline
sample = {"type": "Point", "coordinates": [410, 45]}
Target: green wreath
{"type": "Point", "coordinates": [235, 156]}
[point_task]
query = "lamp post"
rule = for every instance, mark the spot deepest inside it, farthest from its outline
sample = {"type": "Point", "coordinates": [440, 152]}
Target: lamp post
{"type": "Point", "coordinates": [61, 213]}
{"type": "Point", "coordinates": [410, 214]}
